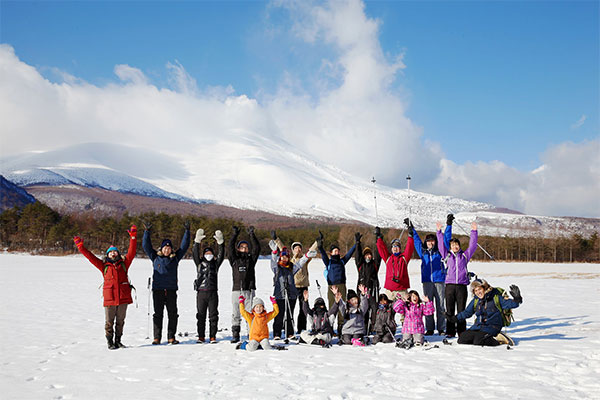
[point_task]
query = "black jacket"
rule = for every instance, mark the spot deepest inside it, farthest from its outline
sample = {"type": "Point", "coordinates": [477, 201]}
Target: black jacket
{"type": "Point", "coordinates": [207, 271]}
{"type": "Point", "coordinates": [367, 272]}
{"type": "Point", "coordinates": [243, 264]}
{"type": "Point", "coordinates": [320, 318]}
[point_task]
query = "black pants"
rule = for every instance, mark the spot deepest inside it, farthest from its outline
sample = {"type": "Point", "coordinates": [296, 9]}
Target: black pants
{"type": "Point", "coordinates": [162, 298]}
{"type": "Point", "coordinates": [301, 324]}
{"type": "Point", "coordinates": [278, 322]}
{"type": "Point", "coordinates": [207, 300]}
{"type": "Point", "coordinates": [477, 338]}
{"type": "Point", "coordinates": [456, 301]}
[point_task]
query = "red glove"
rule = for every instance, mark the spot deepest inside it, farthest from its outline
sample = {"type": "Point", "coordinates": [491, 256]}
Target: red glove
{"type": "Point", "coordinates": [273, 300]}
{"type": "Point", "coordinates": [133, 231]}
{"type": "Point", "coordinates": [78, 242]}
{"type": "Point", "coordinates": [241, 299]}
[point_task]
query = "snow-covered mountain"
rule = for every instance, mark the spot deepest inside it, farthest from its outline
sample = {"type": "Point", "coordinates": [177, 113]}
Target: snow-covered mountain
{"type": "Point", "coordinates": [247, 171]}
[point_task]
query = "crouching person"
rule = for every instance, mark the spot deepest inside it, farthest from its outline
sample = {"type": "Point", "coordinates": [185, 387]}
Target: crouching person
{"type": "Point", "coordinates": [258, 321]}
{"type": "Point", "coordinates": [117, 289]}
{"type": "Point", "coordinates": [385, 325]}
{"type": "Point", "coordinates": [354, 328]}
{"type": "Point", "coordinates": [413, 329]}
{"type": "Point", "coordinates": [321, 331]}
{"type": "Point", "coordinates": [488, 304]}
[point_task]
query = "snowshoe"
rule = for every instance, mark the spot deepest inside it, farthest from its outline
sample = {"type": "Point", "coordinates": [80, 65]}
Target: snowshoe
{"type": "Point", "coordinates": [278, 347]}
{"type": "Point", "coordinates": [200, 340]}
{"type": "Point", "coordinates": [503, 338]}
{"type": "Point", "coordinates": [156, 341]}
{"type": "Point", "coordinates": [446, 342]}
{"type": "Point", "coordinates": [241, 345]}
{"type": "Point", "coordinates": [213, 340]}
{"type": "Point", "coordinates": [406, 344]}
{"type": "Point", "coordinates": [429, 333]}
{"type": "Point", "coordinates": [173, 341]}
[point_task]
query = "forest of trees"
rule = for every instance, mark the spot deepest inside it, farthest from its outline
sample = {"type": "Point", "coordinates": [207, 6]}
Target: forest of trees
{"type": "Point", "coordinates": [38, 229]}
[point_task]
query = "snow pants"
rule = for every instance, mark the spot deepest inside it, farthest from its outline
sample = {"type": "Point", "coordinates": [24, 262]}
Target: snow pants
{"type": "Point", "coordinates": [207, 300]}
{"type": "Point", "coordinates": [236, 317]}
{"type": "Point", "coordinates": [162, 298]}
{"type": "Point", "coordinates": [253, 345]}
{"type": "Point", "coordinates": [278, 321]}
{"type": "Point", "coordinates": [383, 338]}
{"type": "Point", "coordinates": [308, 337]}
{"type": "Point", "coordinates": [436, 291]}
{"type": "Point", "coordinates": [112, 313]}
{"type": "Point", "coordinates": [417, 337]}
{"type": "Point", "coordinates": [456, 301]}
{"type": "Point", "coordinates": [301, 324]}
{"type": "Point", "coordinates": [477, 338]}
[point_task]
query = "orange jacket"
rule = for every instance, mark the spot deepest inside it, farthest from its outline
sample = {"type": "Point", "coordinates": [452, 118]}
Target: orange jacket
{"type": "Point", "coordinates": [259, 329]}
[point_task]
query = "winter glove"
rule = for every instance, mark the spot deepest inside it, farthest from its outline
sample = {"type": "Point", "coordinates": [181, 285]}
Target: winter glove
{"type": "Point", "coordinates": [449, 219]}
{"type": "Point", "coordinates": [251, 230]}
{"type": "Point", "coordinates": [471, 275]}
{"type": "Point", "coordinates": [451, 318]}
{"type": "Point", "coordinates": [273, 300]}
{"type": "Point", "coordinates": [186, 225]}
{"type": "Point", "coordinates": [410, 226]}
{"type": "Point", "coordinates": [199, 235]}
{"type": "Point", "coordinates": [320, 239]}
{"type": "Point", "coordinates": [78, 242]}
{"type": "Point", "coordinates": [236, 230]}
{"type": "Point", "coordinates": [515, 292]}
{"type": "Point", "coordinates": [311, 254]}
{"type": "Point", "coordinates": [241, 299]}
{"type": "Point", "coordinates": [357, 236]}
{"type": "Point", "coordinates": [147, 225]}
{"type": "Point", "coordinates": [378, 233]}
{"type": "Point", "coordinates": [132, 231]}
{"type": "Point", "coordinates": [273, 235]}
{"type": "Point", "coordinates": [273, 245]}
{"type": "Point", "coordinates": [219, 237]}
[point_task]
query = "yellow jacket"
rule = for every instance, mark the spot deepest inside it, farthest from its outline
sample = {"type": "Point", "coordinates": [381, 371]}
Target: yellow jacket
{"type": "Point", "coordinates": [259, 328]}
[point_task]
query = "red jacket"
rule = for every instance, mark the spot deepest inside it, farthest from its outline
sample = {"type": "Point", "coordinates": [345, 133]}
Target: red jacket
{"type": "Point", "coordinates": [116, 289]}
{"type": "Point", "coordinates": [396, 266]}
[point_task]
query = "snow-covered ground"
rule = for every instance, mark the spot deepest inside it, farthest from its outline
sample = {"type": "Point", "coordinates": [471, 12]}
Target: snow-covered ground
{"type": "Point", "coordinates": [51, 327]}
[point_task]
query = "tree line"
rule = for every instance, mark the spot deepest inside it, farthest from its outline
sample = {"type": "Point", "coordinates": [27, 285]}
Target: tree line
{"type": "Point", "coordinates": [37, 229]}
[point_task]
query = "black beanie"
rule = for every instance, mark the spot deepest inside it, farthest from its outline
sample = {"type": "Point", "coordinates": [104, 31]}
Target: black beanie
{"type": "Point", "coordinates": [334, 246]}
{"type": "Point", "coordinates": [351, 294]}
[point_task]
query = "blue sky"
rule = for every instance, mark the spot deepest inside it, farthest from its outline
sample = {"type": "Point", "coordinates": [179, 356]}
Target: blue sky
{"type": "Point", "coordinates": [486, 80]}
{"type": "Point", "coordinates": [512, 81]}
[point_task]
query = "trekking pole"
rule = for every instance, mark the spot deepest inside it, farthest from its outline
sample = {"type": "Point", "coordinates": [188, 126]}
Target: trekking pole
{"type": "Point", "coordinates": [409, 205]}
{"type": "Point", "coordinates": [149, 284]}
{"type": "Point", "coordinates": [319, 288]}
{"type": "Point", "coordinates": [375, 200]}
{"type": "Point", "coordinates": [467, 233]}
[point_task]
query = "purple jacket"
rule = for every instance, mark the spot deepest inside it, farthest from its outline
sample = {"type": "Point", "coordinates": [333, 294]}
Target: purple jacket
{"type": "Point", "coordinates": [456, 263]}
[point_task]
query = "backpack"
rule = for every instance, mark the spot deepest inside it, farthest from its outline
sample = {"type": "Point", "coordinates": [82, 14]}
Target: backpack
{"type": "Point", "coordinates": [507, 315]}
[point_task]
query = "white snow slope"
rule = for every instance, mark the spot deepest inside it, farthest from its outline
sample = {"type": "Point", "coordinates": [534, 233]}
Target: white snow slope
{"type": "Point", "coordinates": [54, 348]}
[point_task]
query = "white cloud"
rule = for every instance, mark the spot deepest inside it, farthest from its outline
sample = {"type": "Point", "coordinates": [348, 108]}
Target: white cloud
{"type": "Point", "coordinates": [566, 184]}
{"type": "Point", "coordinates": [579, 122]}
{"type": "Point", "coordinates": [130, 74]}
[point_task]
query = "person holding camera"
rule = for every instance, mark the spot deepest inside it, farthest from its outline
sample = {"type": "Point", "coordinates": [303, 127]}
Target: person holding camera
{"type": "Point", "coordinates": [396, 263]}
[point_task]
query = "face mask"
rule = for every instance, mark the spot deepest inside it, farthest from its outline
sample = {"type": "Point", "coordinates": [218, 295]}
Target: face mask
{"type": "Point", "coordinates": [209, 257]}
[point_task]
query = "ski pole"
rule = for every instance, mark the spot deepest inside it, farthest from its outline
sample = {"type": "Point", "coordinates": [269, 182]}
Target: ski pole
{"type": "Point", "coordinates": [149, 284]}
{"type": "Point", "coordinates": [319, 287]}
{"type": "Point", "coordinates": [467, 233]}
{"type": "Point", "coordinates": [375, 199]}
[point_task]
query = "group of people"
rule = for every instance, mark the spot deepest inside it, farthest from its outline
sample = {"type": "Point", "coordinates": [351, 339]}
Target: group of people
{"type": "Point", "coordinates": [360, 313]}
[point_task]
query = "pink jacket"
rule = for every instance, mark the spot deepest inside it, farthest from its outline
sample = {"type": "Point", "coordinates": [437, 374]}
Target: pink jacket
{"type": "Point", "coordinates": [413, 315]}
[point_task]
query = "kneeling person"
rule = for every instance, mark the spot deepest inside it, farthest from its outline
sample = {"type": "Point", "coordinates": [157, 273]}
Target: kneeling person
{"type": "Point", "coordinates": [258, 321]}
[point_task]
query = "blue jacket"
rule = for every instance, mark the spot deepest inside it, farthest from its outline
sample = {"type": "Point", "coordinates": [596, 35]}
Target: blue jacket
{"type": "Point", "coordinates": [165, 268]}
{"type": "Point", "coordinates": [432, 267]}
{"type": "Point", "coordinates": [489, 319]}
{"type": "Point", "coordinates": [335, 267]}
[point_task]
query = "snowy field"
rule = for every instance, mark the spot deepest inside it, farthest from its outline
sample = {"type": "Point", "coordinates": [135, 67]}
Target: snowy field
{"type": "Point", "coordinates": [52, 328]}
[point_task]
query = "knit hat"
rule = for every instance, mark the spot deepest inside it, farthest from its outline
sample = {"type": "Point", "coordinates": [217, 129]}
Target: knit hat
{"type": "Point", "coordinates": [285, 252]}
{"type": "Point", "coordinates": [241, 242]}
{"type": "Point", "coordinates": [207, 249]}
{"type": "Point", "coordinates": [367, 250]}
{"type": "Point", "coordinates": [351, 294]}
{"type": "Point", "coordinates": [257, 301]}
{"type": "Point", "coordinates": [319, 302]}
{"type": "Point", "coordinates": [396, 242]}
{"type": "Point", "coordinates": [429, 237]}
{"type": "Point", "coordinates": [112, 248]}
{"type": "Point", "coordinates": [166, 242]}
{"type": "Point", "coordinates": [296, 244]}
{"type": "Point", "coordinates": [334, 246]}
{"type": "Point", "coordinates": [479, 283]}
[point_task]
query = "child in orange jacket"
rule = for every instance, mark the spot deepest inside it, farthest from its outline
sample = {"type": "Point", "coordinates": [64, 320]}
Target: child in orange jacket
{"type": "Point", "coordinates": [258, 321]}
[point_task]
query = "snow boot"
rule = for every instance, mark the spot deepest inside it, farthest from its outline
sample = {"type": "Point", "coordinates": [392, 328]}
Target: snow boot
{"type": "Point", "coordinates": [235, 334]}
{"type": "Point", "coordinates": [213, 340]}
{"type": "Point", "coordinates": [111, 344]}
{"type": "Point", "coordinates": [200, 340]}
{"type": "Point", "coordinates": [156, 341]}
{"type": "Point", "coordinates": [503, 338]}
{"type": "Point", "coordinates": [173, 341]}
{"type": "Point", "coordinates": [118, 344]}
